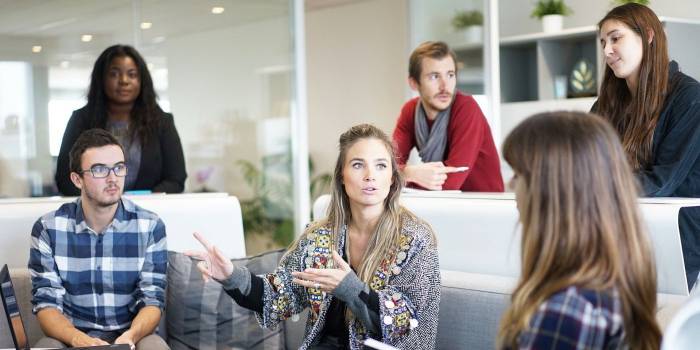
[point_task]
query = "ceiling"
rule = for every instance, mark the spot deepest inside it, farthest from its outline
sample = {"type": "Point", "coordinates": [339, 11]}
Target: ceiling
{"type": "Point", "coordinates": [57, 25]}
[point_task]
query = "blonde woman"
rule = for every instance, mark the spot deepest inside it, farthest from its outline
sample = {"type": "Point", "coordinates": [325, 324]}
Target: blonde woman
{"type": "Point", "coordinates": [588, 279]}
{"type": "Point", "coordinates": [369, 269]}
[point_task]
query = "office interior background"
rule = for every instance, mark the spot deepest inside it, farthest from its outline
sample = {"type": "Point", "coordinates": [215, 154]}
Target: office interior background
{"type": "Point", "coordinates": [249, 95]}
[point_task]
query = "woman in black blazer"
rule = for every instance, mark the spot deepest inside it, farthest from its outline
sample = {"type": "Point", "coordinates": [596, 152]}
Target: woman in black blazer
{"type": "Point", "coordinates": [122, 100]}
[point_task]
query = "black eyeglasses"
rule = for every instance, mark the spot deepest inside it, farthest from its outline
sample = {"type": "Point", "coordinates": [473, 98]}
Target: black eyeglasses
{"type": "Point", "coordinates": [101, 171]}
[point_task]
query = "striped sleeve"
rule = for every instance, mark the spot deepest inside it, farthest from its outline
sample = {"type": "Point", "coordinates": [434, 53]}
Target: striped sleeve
{"type": "Point", "coordinates": [47, 286]}
{"type": "Point", "coordinates": [152, 281]}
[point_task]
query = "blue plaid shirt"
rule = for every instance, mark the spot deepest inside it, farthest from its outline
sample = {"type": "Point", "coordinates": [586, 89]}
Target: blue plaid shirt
{"type": "Point", "coordinates": [576, 318]}
{"type": "Point", "coordinates": [98, 280]}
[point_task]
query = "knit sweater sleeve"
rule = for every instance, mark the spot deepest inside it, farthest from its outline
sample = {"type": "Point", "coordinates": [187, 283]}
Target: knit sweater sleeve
{"type": "Point", "coordinates": [404, 133]}
{"type": "Point", "coordinates": [466, 136]}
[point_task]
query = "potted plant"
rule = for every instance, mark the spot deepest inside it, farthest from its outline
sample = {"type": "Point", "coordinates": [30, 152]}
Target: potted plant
{"type": "Point", "coordinates": [470, 23]}
{"type": "Point", "coordinates": [552, 13]}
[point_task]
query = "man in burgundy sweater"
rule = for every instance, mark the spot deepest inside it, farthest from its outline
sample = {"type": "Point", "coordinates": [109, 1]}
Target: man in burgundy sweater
{"type": "Point", "coordinates": [447, 127]}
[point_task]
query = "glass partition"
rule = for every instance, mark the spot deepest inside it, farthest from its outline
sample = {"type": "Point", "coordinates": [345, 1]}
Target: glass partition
{"type": "Point", "coordinates": [224, 69]}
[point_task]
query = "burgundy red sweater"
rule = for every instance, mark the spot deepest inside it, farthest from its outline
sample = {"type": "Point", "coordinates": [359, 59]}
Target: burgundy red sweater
{"type": "Point", "coordinates": [469, 143]}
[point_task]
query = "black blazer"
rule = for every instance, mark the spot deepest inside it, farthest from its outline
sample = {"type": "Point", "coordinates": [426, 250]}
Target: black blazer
{"type": "Point", "coordinates": [162, 166]}
{"type": "Point", "coordinates": [675, 165]}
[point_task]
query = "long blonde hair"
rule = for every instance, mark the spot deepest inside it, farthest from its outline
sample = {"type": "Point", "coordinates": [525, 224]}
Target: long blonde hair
{"type": "Point", "coordinates": [580, 222]}
{"type": "Point", "coordinates": [386, 233]}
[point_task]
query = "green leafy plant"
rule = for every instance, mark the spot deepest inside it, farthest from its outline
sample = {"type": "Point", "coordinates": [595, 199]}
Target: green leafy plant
{"type": "Point", "coordinates": [622, 2]}
{"type": "Point", "coordinates": [270, 210]}
{"type": "Point", "coordinates": [550, 7]}
{"type": "Point", "coordinates": [464, 19]}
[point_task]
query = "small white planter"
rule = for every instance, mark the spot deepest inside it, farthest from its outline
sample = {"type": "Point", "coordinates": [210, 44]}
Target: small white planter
{"type": "Point", "coordinates": [473, 34]}
{"type": "Point", "coordinates": [552, 23]}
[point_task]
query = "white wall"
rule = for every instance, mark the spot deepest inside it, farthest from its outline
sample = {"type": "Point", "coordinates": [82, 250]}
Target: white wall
{"type": "Point", "coordinates": [515, 14]}
{"type": "Point", "coordinates": [217, 88]}
{"type": "Point", "coordinates": [357, 63]}
{"type": "Point", "coordinates": [433, 19]}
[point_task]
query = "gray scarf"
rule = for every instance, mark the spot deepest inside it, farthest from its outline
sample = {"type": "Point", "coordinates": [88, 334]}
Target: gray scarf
{"type": "Point", "coordinates": [431, 142]}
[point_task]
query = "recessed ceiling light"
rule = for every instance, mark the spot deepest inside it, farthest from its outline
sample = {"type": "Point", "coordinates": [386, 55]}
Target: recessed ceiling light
{"type": "Point", "coordinates": [146, 25]}
{"type": "Point", "coordinates": [217, 10]}
{"type": "Point", "coordinates": [86, 38]}
{"type": "Point", "coordinates": [36, 48]}
{"type": "Point", "coordinates": [151, 66]}
{"type": "Point", "coordinates": [65, 64]}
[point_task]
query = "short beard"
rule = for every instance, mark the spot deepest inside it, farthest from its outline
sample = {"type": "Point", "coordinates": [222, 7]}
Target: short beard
{"type": "Point", "coordinates": [99, 203]}
{"type": "Point", "coordinates": [434, 107]}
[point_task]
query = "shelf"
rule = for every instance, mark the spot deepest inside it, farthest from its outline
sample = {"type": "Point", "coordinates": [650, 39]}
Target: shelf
{"type": "Point", "coordinates": [563, 34]}
{"type": "Point", "coordinates": [470, 68]}
{"type": "Point", "coordinates": [519, 69]}
{"type": "Point", "coordinates": [552, 104]}
{"type": "Point", "coordinates": [467, 47]}
{"type": "Point", "coordinates": [530, 63]}
{"type": "Point", "coordinates": [470, 76]}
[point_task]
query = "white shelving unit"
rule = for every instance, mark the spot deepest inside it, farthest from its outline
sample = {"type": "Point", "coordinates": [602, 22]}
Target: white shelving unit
{"type": "Point", "coordinates": [516, 74]}
{"type": "Point", "coordinates": [470, 64]}
{"type": "Point", "coordinates": [530, 62]}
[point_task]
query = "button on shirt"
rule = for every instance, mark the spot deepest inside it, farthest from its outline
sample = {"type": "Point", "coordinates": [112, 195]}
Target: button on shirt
{"type": "Point", "coordinates": [98, 280]}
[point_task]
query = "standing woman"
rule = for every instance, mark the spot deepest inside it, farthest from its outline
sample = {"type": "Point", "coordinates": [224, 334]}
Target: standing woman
{"type": "Point", "coordinates": [369, 269]}
{"type": "Point", "coordinates": [587, 278]}
{"type": "Point", "coordinates": [656, 111]}
{"type": "Point", "coordinates": [122, 100]}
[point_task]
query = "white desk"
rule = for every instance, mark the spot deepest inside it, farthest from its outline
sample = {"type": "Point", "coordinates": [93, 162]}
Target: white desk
{"type": "Point", "coordinates": [478, 232]}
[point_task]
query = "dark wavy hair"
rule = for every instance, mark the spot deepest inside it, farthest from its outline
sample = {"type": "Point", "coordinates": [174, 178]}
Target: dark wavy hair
{"type": "Point", "coordinates": [144, 115]}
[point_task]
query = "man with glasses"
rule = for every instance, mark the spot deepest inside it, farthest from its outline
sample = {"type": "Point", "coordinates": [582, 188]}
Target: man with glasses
{"type": "Point", "coordinates": [98, 264]}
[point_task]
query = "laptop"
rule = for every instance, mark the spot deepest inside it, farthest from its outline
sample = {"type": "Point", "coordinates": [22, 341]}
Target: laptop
{"type": "Point", "coordinates": [14, 318]}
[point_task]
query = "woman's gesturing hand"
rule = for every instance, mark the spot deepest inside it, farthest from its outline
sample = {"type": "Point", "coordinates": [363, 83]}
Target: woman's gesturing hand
{"type": "Point", "coordinates": [325, 279]}
{"type": "Point", "coordinates": [213, 264]}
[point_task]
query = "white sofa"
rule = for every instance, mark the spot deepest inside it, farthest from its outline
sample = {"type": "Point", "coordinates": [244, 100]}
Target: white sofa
{"type": "Point", "coordinates": [478, 244]}
{"type": "Point", "coordinates": [478, 233]}
{"type": "Point", "coordinates": [476, 252]}
{"type": "Point", "coordinates": [216, 215]}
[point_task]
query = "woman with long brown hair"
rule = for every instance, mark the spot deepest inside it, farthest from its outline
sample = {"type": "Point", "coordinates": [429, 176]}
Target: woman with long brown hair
{"type": "Point", "coordinates": [587, 279]}
{"type": "Point", "coordinates": [656, 111]}
{"type": "Point", "coordinates": [369, 269]}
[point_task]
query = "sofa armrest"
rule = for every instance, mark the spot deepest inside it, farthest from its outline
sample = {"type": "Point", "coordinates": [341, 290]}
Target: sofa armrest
{"type": "Point", "coordinates": [471, 306]}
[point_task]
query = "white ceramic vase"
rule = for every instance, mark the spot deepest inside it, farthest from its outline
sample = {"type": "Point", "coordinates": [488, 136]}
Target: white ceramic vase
{"type": "Point", "coordinates": [552, 23]}
{"type": "Point", "coordinates": [473, 34]}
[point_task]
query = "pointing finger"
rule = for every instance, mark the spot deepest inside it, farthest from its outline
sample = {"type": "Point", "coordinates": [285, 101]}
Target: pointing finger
{"type": "Point", "coordinates": [199, 255]}
{"type": "Point", "coordinates": [452, 169]}
{"type": "Point", "coordinates": [202, 240]}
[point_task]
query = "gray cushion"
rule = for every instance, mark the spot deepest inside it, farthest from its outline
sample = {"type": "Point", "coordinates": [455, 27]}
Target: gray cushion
{"type": "Point", "coordinates": [471, 306]}
{"type": "Point", "coordinates": [202, 316]}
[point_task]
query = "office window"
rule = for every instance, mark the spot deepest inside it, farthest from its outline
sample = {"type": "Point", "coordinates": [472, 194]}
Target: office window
{"type": "Point", "coordinates": [224, 70]}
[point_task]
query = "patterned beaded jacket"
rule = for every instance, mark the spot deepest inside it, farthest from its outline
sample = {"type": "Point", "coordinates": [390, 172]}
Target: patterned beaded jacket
{"type": "Point", "coordinates": [407, 282]}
